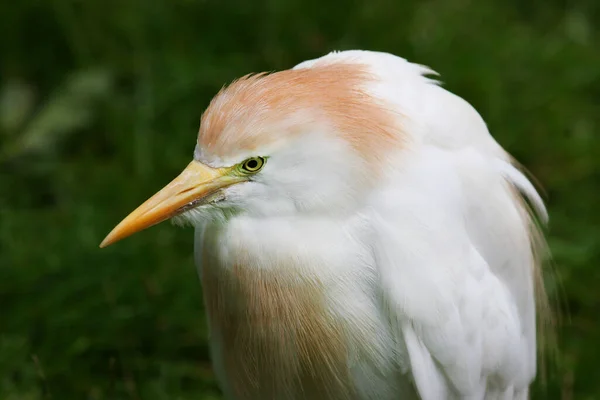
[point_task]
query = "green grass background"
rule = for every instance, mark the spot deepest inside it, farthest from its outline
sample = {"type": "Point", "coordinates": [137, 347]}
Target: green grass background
{"type": "Point", "coordinates": [99, 106]}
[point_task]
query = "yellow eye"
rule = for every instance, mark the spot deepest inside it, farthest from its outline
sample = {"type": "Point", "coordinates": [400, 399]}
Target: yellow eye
{"type": "Point", "coordinates": [253, 164]}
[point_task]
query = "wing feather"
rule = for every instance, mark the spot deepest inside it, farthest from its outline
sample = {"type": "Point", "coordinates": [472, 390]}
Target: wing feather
{"type": "Point", "coordinates": [456, 272]}
{"type": "Point", "coordinates": [428, 379]}
{"type": "Point", "coordinates": [454, 244]}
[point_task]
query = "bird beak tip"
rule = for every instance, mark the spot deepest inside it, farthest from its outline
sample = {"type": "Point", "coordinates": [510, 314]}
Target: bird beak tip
{"type": "Point", "coordinates": [195, 182]}
{"type": "Point", "coordinates": [108, 240]}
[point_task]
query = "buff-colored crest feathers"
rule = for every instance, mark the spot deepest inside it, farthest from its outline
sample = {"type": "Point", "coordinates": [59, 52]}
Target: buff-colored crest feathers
{"type": "Point", "coordinates": [259, 109]}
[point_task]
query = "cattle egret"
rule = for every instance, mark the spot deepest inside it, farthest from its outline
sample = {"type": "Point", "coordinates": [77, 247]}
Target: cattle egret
{"type": "Point", "coordinates": [359, 234]}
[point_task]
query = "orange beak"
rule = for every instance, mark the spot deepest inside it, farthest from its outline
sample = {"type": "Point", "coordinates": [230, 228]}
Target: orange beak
{"type": "Point", "coordinates": [197, 184]}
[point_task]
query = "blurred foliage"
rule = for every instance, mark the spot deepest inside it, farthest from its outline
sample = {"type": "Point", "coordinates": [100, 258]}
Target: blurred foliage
{"type": "Point", "coordinates": [99, 105]}
{"type": "Point", "coordinates": [67, 111]}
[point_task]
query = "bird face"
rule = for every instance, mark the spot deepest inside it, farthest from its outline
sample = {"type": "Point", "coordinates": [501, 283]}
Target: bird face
{"type": "Point", "coordinates": [310, 174]}
{"type": "Point", "coordinates": [296, 142]}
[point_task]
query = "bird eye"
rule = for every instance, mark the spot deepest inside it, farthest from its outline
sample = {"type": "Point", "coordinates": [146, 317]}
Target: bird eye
{"type": "Point", "coordinates": [253, 164]}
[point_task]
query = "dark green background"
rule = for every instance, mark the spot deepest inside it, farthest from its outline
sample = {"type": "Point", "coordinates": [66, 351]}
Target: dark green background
{"type": "Point", "coordinates": [99, 106]}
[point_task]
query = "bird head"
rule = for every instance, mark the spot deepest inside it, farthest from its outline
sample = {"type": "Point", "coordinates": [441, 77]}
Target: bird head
{"type": "Point", "coordinates": [302, 141]}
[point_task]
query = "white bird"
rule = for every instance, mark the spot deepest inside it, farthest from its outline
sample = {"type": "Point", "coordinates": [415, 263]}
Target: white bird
{"type": "Point", "coordinates": [359, 235]}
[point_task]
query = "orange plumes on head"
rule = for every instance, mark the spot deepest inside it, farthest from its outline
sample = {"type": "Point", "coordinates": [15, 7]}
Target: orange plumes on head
{"type": "Point", "coordinates": [260, 109]}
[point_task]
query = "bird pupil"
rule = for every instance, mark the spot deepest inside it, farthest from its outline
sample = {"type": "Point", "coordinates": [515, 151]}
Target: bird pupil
{"type": "Point", "coordinates": [251, 164]}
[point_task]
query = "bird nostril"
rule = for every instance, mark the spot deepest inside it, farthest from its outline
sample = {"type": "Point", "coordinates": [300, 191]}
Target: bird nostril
{"type": "Point", "coordinates": [186, 190]}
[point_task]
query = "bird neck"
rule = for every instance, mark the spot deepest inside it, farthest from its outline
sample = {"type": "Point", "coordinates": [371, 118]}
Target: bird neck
{"type": "Point", "coordinates": [267, 285]}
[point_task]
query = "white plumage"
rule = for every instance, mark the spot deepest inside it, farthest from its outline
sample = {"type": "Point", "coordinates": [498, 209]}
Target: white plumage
{"type": "Point", "coordinates": [330, 273]}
